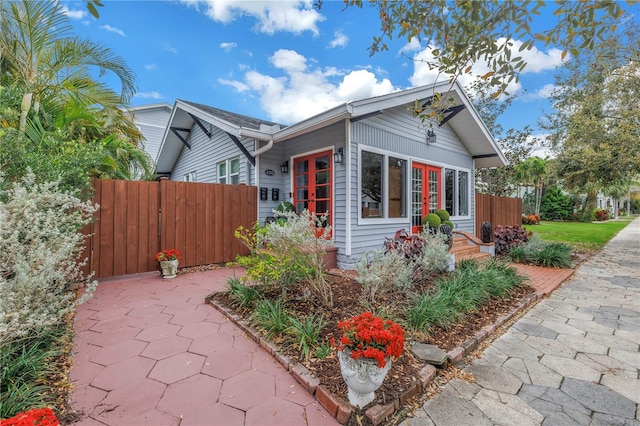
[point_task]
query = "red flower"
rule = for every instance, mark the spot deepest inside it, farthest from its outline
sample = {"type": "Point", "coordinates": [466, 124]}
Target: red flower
{"type": "Point", "coordinates": [171, 254]}
{"type": "Point", "coordinates": [35, 417]}
{"type": "Point", "coordinates": [368, 336]}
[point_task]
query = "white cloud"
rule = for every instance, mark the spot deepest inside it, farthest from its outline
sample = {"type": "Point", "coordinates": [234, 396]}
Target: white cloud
{"type": "Point", "coordinates": [228, 46]}
{"type": "Point", "coordinates": [169, 48]}
{"type": "Point", "coordinates": [537, 62]}
{"type": "Point", "coordinates": [542, 93]}
{"type": "Point", "coordinates": [303, 90]}
{"type": "Point", "coordinates": [238, 85]}
{"type": "Point", "coordinates": [74, 14]}
{"type": "Point", "coordinates": [271, 16]}
{"type": "Point", "coordinates": [150, 67]}
{"type": "Point", "coordinates": [113, 30]}
{"type": "Point", "coordinates": [149, 95]}
{"type": "Point", "coordinates": [339, 40]}
{"type": "Point", "coordinates": [540, 145]}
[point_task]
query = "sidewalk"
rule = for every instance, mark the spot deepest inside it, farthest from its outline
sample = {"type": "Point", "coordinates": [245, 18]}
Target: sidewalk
{"type": "Point", "coordinates": [573, 359]}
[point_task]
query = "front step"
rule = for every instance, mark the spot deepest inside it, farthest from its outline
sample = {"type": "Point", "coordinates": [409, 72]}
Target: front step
{"type": "Point", "coordinates": [465, 248]}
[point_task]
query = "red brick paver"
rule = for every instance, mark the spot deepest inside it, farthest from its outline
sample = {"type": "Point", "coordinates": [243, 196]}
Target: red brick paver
{"type": "Point", "coordinates": [148, 351]}
{"type": "Point", "coordinates": [544, 280]}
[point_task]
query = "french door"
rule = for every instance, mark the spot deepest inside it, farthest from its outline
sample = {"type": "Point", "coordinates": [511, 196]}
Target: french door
{"type": "Point", "coordinates": [312, 184]}
{"type": "Point", "coordinates": [425, 193]}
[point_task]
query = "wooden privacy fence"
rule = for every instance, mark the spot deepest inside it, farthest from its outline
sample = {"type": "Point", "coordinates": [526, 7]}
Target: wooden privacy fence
{"type": "Point", "coordinates": [137, 219]}
{"type": "Point", "coordinates": [503, 211]}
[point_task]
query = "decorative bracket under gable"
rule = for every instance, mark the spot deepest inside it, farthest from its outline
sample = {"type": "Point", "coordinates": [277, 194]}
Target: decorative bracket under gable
{"type": "Point", "coordinates": [199, 123]}
{"type": "Point", "coordinates": [175, 131]}
{"type": "Point", "coordinates": [244, 150]}
{"type": "Point", "coordinates": [447, 114]}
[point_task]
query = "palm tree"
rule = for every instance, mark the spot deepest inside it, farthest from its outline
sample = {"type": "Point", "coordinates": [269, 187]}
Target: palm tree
{"type": "Point", "coordinates": [532, 172]}
{"type": "Point", "coordinates": [616, 190]}
{"type": "Point", "coordinates": [50, 66]}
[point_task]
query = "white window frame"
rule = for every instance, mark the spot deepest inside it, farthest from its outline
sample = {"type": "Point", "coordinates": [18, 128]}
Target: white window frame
{"type": "Point", "coordinates": [228, 176]}
{"type": "Point", "coordinates": [456, 191]}
{"type": "Point", "coordinates": [385, 187]}
{"type": "Point", "coordinates": [190, 177]}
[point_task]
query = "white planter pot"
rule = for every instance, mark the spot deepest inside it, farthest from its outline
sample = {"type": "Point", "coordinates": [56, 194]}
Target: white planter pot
{"type": "Point", "coordinates": [169, 268]}
{"type": "Point", "coordinates": [362, 376]}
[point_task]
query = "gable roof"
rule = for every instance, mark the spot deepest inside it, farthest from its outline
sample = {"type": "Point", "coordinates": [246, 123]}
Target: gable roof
{"type": "Point", "coordinates": [464, 120]}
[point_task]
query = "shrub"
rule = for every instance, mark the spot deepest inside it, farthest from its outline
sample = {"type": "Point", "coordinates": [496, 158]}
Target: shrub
{"type": "Point", "coordinates": [457, 294]}
{"type": "Point", "coordinates": [443, 214]}
{"type": "Point", "coordinates": [288, 251]}
{"type": "Point", "coordinates": [531, 219]}
{"type": "Point", "coordinates": [539, 252]}
{"type": "Point", "coordinates": [432, 220]}
{"type": "Point", "coordinates": [408, 245]}
{"type": "Point", "coordinates": [383, 273]}
{"type": "Point", "coordinates": [27, 366]}
{"type": "Point", "coordinates": [555, 205]}
{"type": "Point", "coordinates": [40, 247]}
{"type": "Point", "coordinates": [243, 294]}
{"type": "Point", "coordinates": [434, 256]}
{"type": "Point", "coordinates": [507, 237]}
{"type": "Point", "coordinates": [601, 215]}
{"type": "Point", "coordinates": [449, 223]}
{"type": "Point", "coordinates": [271, 317]}
{"type": "Point", "coordinates": [305, 334]}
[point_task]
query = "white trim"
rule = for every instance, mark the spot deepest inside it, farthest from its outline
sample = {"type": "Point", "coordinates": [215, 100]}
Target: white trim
{"type": "Point", "coordinates": [347, 159]}
{"type": "Point", "coordinates": [385, 187]}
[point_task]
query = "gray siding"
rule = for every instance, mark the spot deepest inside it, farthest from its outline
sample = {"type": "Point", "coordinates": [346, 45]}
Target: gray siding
{"type": "Point", "coordinates": [396, 131]}
{"type": "Point", "coordinates": [152, 123]}
{"type": "Point", "coordinates": [271, 159]}
{"type": "Point", "coordinates": [206, 153]}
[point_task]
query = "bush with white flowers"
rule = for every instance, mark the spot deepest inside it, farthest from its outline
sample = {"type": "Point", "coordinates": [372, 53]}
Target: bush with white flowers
{"type": "Point", "coordinates": [40, 247]}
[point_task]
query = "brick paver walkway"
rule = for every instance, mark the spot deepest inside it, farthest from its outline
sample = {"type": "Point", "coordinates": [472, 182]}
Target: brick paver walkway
{"type": "Point", "coordinates": [148, 351]}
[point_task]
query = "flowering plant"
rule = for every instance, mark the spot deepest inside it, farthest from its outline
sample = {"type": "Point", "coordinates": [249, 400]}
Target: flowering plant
{"type": "Point", "coordinates": [368, 336]}
{"type": "Point", "coordinates": [35, 417]}
{"type": "Point", "coordinates": [171, 254]}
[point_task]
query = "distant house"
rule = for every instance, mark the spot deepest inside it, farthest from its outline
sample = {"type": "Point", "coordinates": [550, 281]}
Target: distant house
{"type": "Point", "coordinates": [152, 121]}
{"type": "Point", "coordinates": [368, 165]}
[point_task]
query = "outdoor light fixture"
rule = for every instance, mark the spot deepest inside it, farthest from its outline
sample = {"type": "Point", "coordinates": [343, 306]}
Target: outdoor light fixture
{"type": "Point", "coordinates": [337, 156]}
{"type": "Point", "coordinates": [430, 136]}
{"type": "Point", "coordinates": [284, 168]}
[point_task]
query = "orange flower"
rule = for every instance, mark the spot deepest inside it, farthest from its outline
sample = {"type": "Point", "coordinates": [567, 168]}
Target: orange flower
{"type": "Point", "coordinates": [171, 254]}
{"type": "Point", "coordinates": [368, 336]}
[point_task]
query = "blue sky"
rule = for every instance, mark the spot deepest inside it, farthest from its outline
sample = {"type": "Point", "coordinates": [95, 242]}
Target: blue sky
{"type": "Point", "coordinates": [277, 60]}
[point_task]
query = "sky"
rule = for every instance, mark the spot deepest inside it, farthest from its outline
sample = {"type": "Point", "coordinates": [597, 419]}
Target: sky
{"type": "Point", "coordinates": [282, 61]}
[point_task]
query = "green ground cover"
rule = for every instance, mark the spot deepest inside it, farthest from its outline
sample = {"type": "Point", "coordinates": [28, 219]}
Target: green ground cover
{"type": "Point", "coordinates": [582, 237]}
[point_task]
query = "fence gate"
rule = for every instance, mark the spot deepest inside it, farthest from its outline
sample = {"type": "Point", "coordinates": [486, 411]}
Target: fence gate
{"type": "Point", "coordinates": [137, 219]}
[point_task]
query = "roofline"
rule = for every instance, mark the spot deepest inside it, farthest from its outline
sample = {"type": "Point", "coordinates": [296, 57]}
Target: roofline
{"type": "Point", "coordinates": [149, 106]}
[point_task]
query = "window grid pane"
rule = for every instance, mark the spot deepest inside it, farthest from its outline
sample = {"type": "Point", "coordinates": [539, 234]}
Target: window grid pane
{"type": "Point", "coordinates": [463, 193]}
{"type": "Point", "coordinates": [371, 183]}
{"type": "Point", "coordinates": [433, 191]}
{"type": "Point", "coordinates": [397, 184]}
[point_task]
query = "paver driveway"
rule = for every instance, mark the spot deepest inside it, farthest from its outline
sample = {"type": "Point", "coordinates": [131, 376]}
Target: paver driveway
{"type": "Point", "coordinates": [148, 351]}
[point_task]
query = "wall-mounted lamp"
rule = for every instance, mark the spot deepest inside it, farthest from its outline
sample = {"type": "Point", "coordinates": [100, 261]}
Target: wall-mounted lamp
{"type": "Point", "coordinates": [284, 168]}
{"type": "Point", "coordinates": [430, 136]}
{"type": "Point", "coordinates": [338, 155]}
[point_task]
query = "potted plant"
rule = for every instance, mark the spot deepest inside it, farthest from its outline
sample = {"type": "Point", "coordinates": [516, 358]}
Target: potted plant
{"type": "Point", "coordinates": [366, 349]}
{"type": "Point", "coordinates": [169, 260]}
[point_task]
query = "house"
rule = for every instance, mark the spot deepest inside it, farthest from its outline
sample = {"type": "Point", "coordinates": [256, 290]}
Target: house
{"type": "Point", "coordinates": [152, 121]}
{"type": "Point", "coordinates": [369, 166]}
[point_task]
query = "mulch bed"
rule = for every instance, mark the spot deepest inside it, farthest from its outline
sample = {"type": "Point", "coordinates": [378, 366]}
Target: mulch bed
{"type": "Point", "coordinates": [346, 297]}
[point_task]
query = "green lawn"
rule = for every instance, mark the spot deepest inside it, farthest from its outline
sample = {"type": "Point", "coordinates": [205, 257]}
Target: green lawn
{"type": "Point", "coordinates": [580, 236]}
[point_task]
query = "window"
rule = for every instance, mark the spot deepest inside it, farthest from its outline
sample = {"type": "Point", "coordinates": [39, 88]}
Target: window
{"type": "Point", "coordinates": [190, 177]}
{"type": "Point", "coordinates": [222, 172]}
{"type": "Point", "coordinates": [229, 171]}
{"type": "Point", "coordinates": [234, 171]}
{"type": "Point", "coordinates": [382, 186]}
{"type": "Point", "coordinates": [456, 192]}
